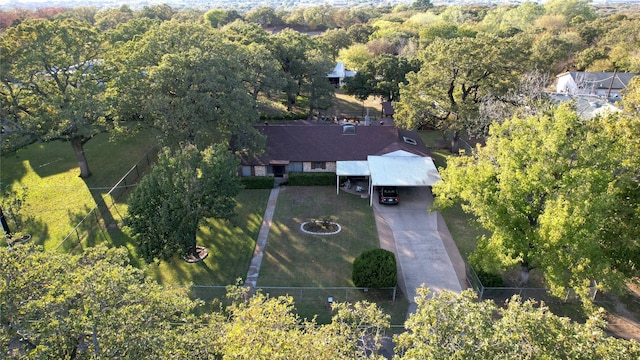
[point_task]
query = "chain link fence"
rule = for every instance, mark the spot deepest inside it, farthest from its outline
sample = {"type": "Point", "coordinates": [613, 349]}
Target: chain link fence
{"type": "Point", "coordinates": [502, 294]}
{"type": "Point", "coordinates": [101, 217]}
{"type": "Point", "coordinates": [314, 302]}
{"type": "Point", "coordinates": [320, 295]}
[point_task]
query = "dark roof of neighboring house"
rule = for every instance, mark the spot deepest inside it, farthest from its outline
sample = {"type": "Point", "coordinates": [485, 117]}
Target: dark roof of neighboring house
{"type": "Point", "coordinates": [600, 80]}
{"type": "Point", "coordinates": [320, 143]}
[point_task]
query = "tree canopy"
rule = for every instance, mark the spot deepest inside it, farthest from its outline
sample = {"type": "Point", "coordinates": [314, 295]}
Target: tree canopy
{"type": "Point", "coordinates": [458, 326]}
{"type": "Point", "coordinates": [381, 76]}
{"type": "Point", "coordinates": [190, 83]}
{"type": "Point", "coordinates": [51, 85]}
{"type": "Point", "coordinates": [456, 77]}
{"type": "Point", "coordinates": [95, 305]}
{"type": "Point", "coordinates": [185, 187]}
{"type": "Point", "coordinates": [556, 193]}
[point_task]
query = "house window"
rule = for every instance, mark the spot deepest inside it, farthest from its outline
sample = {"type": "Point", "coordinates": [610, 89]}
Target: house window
{"type": "Point", "coordinates": [318, 165]}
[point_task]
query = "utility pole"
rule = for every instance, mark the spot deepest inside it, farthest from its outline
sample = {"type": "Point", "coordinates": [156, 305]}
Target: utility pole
{"type": "Point", "coordinates": [615, 71]}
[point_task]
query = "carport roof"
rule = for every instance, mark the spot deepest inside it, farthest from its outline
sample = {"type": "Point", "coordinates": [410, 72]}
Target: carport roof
{"type": "Point", "coordinates": [352, 168]}
{"type": "Point", "coordinates": [402, 171]}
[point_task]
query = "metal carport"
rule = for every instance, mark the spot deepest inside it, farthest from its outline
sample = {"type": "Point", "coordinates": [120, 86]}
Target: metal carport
{"type": "Point", "coordinates": [390, 171]}
{"type": "Point", "coordinates": [401, 171]}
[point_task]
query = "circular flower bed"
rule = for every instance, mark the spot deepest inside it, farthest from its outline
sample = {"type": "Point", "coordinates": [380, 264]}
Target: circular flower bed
{"type": "Point", "coordinates": [320, 227]}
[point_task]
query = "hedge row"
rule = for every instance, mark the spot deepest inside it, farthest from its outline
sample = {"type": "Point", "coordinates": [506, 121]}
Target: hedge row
{"type": "Point", "coordinates": [312, 179]}
{"type": "Point", "coordinates": [257, 182]}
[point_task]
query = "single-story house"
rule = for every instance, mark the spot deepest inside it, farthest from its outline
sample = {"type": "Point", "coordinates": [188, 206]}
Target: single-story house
{"type": "Point", "coordinates": [339, 73]}
{"type": "Point", "coordinates": [385, 155]}
{"type": "Point", "coordinates": [604, 84]}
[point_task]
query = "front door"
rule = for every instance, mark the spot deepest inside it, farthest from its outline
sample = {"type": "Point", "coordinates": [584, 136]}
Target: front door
{"type": "Point", "coordinates": [278, 170]}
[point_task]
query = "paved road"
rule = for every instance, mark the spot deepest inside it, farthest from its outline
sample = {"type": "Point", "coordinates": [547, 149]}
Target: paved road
{"type": "Point", "coordinates": [422, 244]}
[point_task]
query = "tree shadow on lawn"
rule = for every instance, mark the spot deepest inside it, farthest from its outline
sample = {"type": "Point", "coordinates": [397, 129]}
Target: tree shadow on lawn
{"type": "Point", "coordinates": [13, 170]}
{"type": "Point", "coordinates": [46, 159]}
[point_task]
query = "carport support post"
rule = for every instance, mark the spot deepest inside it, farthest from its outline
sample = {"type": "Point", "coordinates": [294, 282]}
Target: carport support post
{"type": "Point", "coordinates": [370, 191]}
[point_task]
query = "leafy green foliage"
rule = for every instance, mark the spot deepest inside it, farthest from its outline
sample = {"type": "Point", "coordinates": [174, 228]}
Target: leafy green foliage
{"type": "Point", "coordinates": [183, 189]}
{"type": "Point", "coordinates": [458, 326]}
{"type": "Point", "coordinates": [83, 306]}
{"type": "Point", "coordinates": [96, 305]}
{"type": "Point", "coordinates": [312, 179]}
{"type": "Point", "coordinates": [555, 193]}
{"type": "Point", "coordinates": [257, 182]}
{"type": "Point", "coordinates": [458, 75]}
{"type": "Point", "coordinates": [381, 76]}
{"type": "Point", "coordinates": [375, 269]}
{"type": "Point", "coordinates": [489, 279]}
{"type": "Point", "coordinates": [51, 87]}
{"type": "Point", "coordinates": [192, 84]}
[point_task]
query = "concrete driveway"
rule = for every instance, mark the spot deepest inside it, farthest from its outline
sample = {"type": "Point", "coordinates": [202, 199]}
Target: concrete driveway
{"type": "Point", "coordinates": [424, 248]}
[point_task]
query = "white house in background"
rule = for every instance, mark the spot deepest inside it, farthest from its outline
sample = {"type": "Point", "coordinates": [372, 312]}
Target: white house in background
{"type": "Point", "coordinates": [604, 84]}
{"type": "Point", "coordinates": [339, 73]}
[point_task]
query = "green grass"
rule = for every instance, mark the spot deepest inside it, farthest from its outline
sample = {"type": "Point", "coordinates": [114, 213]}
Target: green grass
{"type": "Point", "coordinates": [230, 246]}
{"type": "Point", "coordinates": [294, 258]}
{"type": "Point", "coordinates": [57, 199]}
{"type": "Point", "coordinates": [348, 106]}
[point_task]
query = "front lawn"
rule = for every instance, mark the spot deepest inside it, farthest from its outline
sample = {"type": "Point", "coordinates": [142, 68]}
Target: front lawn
{"type": "Point", "coordinates": [294, 258]}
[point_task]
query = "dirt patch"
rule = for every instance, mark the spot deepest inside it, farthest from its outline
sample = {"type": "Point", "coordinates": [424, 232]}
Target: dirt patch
{"type": "Point", "coordinates": [623, 311]}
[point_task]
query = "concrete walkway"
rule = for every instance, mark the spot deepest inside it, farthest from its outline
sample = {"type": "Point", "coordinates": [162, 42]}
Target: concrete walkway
{"type": "Point", "coordinates": [261, 243]}
{"type": "Point", "coordinates": [421, 241]}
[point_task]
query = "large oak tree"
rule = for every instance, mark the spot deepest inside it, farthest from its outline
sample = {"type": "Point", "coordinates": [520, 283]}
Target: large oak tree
{"type": "Point", "coordinates": [184, 188]}
{"type": "Point", "coordinates": [456, 77]}
{"type": "Point", "coordinates": [51, 88]}
{"type": "Point", "coordinates": [192, 84]}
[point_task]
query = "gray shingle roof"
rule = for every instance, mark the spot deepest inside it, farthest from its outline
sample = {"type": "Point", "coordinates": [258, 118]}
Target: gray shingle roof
{"type": "Point", "coordinates": [321, 143]}
{"type": "Point", "coordinates": [601, 79]}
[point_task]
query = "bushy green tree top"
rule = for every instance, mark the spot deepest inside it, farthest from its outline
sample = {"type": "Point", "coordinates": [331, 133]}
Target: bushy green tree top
{"type": "Point", "coordinates": [458, 326]}
{"type": "Point", "coordinates": [184, 188]}
{"type": "Point", "coordinates": [556, 193]}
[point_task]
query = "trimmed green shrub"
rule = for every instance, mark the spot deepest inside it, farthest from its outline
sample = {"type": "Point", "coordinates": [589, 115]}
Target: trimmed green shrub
{"type": "Point", "coordinates": [257, 182]}
{"type": "Point", "coordinates": [375, 269]}
{"type": "Point", "coordinates": [312, 179]}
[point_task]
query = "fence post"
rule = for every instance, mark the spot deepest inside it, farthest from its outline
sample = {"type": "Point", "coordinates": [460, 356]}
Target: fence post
{"type": "Point", "coordinates": [393, 298]}
{"type": "Point", "coordinates": [95, 213]}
